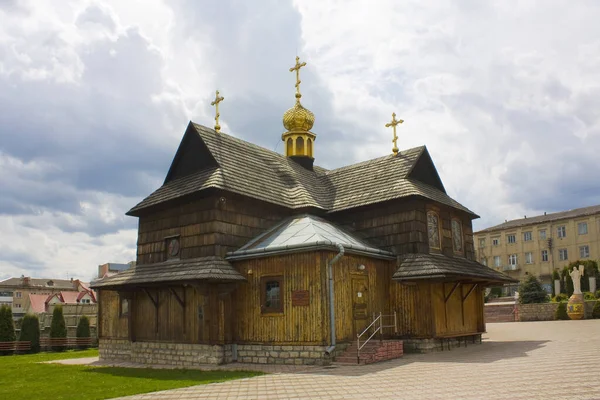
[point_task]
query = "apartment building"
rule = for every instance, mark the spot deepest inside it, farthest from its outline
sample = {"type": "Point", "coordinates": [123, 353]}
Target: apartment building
{"type": "Point", "coordinates": [538, 245]}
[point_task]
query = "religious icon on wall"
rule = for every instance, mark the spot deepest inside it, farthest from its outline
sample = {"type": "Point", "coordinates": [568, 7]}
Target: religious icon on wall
{"type": "Point", "coordinates": [433, 229]}
{"type": "Point", "coordinates": [457, 238]}
{"type": "Point", "coordinates": [173, 247]}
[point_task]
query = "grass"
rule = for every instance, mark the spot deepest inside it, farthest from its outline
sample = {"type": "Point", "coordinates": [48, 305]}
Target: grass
{"type": "Point", "coordinates": [23, 377]}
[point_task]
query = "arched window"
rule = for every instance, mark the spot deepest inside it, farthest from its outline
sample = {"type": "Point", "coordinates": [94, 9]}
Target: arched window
{"type": "Point", "coordinates": [433, 230]}
{"type": "Point", "coordinates": [272, 294]}
{"type": "Point", "coordinates": [309, 147]}
{"type": "Point", "coordinates": [290, 147]}
{"type": "Point", "coordinates": [457, 236]}
{"type": "Point", "coordinates": [300, 147]}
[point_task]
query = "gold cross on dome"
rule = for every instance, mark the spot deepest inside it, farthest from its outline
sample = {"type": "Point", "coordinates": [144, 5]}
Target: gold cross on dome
{"type": "Point", "coordinates": [215, 103]}
{"type": "Point", "coordinates": [297, 69]}
{"type": "Point", "coordinates": [393, 124]}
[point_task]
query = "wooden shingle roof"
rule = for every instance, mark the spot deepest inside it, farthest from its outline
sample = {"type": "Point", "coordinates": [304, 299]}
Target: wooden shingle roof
{"type": "Point", "coordinates": [413, 267]}
{"type": "Point", "coordinates": [244, 168]}
{"type": "Point", "coordinates": [211, 268]}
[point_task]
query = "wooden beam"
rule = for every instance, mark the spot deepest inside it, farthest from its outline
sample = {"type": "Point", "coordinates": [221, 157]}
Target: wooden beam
{"type": "Point", "coordinates": [179, 300]}
{"type": "Point", "coordinates": [451, 292]}
{"type": "Point", "coordinates": [469, 292]}
{"type": "Point", "coordinates": [155, 302]}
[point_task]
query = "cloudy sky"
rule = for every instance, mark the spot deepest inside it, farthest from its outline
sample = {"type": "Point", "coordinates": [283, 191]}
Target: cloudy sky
{"type": "Point", "coordinates": [96, 94]}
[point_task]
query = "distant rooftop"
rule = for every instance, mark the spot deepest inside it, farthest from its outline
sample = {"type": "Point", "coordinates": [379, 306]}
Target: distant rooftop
{"type": "Point", "coordinates": [39, 282]}
{"type": "Point", "coordinates": [118, 267]}
{"type": "Point", "coordinates": [540, 219]}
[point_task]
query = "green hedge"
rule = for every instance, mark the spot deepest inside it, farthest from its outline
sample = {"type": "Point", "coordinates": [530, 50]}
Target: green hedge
{"type": "Point", "coordinates": [58, 328]}
{"type": "Point", "coordinates": [561, 311]}
{"type": "Point", "coordinates": [83, 329]}
{"type": "Point", "coordinates": [30, 331]}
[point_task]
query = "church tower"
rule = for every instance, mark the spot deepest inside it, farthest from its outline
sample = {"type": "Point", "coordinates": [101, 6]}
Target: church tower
{"type": "Point", "coordinates": [298, 139]}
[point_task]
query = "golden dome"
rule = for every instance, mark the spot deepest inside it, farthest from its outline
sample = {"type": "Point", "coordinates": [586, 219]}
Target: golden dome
{"type": "Point", "coordinates": [298, 119]}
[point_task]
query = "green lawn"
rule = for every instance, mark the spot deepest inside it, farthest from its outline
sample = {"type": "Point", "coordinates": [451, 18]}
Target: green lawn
{"type": "Point", "coordinates": [22, 377]}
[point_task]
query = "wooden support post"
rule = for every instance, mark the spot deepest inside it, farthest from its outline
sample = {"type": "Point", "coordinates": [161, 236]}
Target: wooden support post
{"type": "Point", "coordinates": [130, 318]}
{"type": "Point", "coordinates": [462, 308]}
{"type": "Point", "coordinates": [155, 302]}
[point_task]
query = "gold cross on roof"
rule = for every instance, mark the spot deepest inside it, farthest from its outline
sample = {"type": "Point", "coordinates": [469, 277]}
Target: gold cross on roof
{"type": "Point", "coordinates": [393, 124]}
{"type": "Point", "coordinates": [297, 69]}
{"type": "Point", "coordinates": [215, 103]}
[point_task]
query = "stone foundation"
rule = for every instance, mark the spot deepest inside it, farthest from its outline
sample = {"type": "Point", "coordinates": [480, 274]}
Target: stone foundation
{"type": "Point", "coordinates": [431, 345]}
{"type": "Point", "coordinates": [177, 354]}
{"type": "Point", "coordinates": [287, 355]}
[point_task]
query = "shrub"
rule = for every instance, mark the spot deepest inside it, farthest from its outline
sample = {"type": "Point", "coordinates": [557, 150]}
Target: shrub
{"type": "Point", "coordinates": [598, 294]}
{"type": "Point", "coordinates": [58, 328]}
{"type": "Point", "coordinates": [596, 310]}
{"type": "Point", "coordinates": [496, 291]}
{"type": "Point", "coordinates": [568, 282]}
{"type": "Point", "coordinates": [531, 291]}
{"type": "Point", "coordinates": [589, 296]}
{"type": "Point", "coordinates": [83, 329]}
{"type": "Point", "coordinates": [30, 331]}
{"type": "Point", "coordinates": [560, 297]}
{"type": "Point", "coordinates": [561, 311]}
{"type": "Point", "coordinates": [7, 326]}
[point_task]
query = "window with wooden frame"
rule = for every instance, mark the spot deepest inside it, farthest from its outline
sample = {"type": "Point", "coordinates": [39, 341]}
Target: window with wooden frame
{"type": "Point", "coordinates": [457, 236]}
{"type": "Point", "coordinates": [433, 230]}
{"type": "Point", "coordinates": [123, 306]}
{"type": "Point", "coordinates": [271, 294]}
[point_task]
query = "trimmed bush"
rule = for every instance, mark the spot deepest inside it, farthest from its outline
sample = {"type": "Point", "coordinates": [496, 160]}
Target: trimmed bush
{"type": "Point", "coordinates": [589, 296]}
{"type": "Point", "coordinates": [596, 310]}
{"type": "Point", "coordinates": [58, 328]}
{"type": "Point", "coordinates": [531, 291]}
{"type": "Point", "coordinates": [7, 327]}
{"type": "Point", "coordinates": [560, 297]}
{"type": "Point", "coordinates": [597, 294]}
{"type": "Point", "coordinates": [30, 332]}
{"type": "Point", "coordinates": [83, 329]}
{"type": "Point", "coordinates": [561, 311]}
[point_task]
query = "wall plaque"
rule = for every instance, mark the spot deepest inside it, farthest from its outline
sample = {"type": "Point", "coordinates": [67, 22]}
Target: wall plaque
{"type": "Point", "coordinates": [300, 298]}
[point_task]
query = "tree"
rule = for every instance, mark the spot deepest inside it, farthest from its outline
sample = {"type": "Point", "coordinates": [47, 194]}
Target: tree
{"type": "Point", "coordinates": [596, 310]}
{"type": "Point", "coordinates": [555, 277]}
{"type": "Point", "coordinates": [561, 311]}
{"type": "Point", "coordinates": [83, 329]}
{"type": "Point", "coordinates": [531, 291]}
{"type": "Point", "coordinates": [567, 281]}
{"type": "Point", "coordinates": [7, 326]}
{"type": "Point", "coordinates": [30, 331]}
{"type": "Point", "coordinates": [58, 328]}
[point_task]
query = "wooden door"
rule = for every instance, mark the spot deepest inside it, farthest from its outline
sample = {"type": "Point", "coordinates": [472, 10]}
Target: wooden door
{"type": "Point", "coordinates": [360, 304]}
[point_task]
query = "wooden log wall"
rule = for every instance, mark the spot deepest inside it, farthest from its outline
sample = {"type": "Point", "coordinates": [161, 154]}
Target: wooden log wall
{"type": "Point", "coordinates": [110, 324]}
{"type": "Point", "coordinates": [208, 226]}
{"type": "Point", "coordinates": [455, 317]}
{"type": "Point", "coordinates": [412, 304]}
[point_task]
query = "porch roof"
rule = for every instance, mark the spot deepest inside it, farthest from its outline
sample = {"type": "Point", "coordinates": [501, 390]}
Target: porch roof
{"type": "Point", "coordinates": [213, 269]}
{"type": "Point", "coordinates": [418, 266]}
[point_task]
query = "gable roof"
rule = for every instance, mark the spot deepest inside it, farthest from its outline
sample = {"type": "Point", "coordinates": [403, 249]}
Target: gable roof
{"type": "Point", "coordinates": [413, 267]}
{"type": "Point", "coordinates": [304, 233]}
{"type": "Point", "coordinates": [540, 219]}
{"type": "Point", "coordinates": [250, 170]}
{"type": "Point", "coordinates": [37, 303]}
{"type": "Point", "coordinates": [39, 282]}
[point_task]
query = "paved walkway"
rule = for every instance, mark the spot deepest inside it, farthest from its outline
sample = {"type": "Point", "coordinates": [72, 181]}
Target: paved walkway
{"type": "Point", "coordinates": [526, 360]}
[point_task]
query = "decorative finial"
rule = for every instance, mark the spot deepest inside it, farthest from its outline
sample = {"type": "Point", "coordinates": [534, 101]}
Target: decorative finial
{"type": "Point", "coordinates": [297, 69]}
{"type": "Point", "coordinates": [395, 139]}
{"type": "Point", "coordinates": [215, 103]}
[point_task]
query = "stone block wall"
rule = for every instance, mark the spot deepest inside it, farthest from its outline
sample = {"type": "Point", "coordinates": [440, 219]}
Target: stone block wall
{"type": "Point", "coordinates": [288, 355]}
{"type": "Point", "coordinates": [114, 350]}
{"type": "Point", "coordinates": [546, 311]}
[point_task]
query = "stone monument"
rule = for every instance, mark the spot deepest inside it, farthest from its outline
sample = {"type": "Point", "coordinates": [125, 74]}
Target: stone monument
{"type": "Point", "coordinates": [575, 306]}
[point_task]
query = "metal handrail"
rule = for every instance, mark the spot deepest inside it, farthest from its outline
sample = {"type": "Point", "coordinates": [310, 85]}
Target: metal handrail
{"type": "Point", "coordinates": [378, 329]}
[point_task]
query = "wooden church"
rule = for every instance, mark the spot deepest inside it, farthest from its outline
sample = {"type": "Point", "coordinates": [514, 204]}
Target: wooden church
{"type": "Point", "coordinates": [247, 255]}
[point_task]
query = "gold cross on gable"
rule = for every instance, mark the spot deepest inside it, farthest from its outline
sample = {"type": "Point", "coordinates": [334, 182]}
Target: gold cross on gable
{"type": "Point", "coordinates": [297, 69]}
{"type": "Point", "coordinates": [215, 103]}
{"type": "Point", "coordinates": [393, 124]}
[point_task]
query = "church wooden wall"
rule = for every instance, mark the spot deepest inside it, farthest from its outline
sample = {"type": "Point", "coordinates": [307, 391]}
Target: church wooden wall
{"type": "Point", "coordinates": [110, 324]}
{"type": "Point", "coordinates": [307, 324]}
{"type": "Point", "coordinates": [446, 215]}
{"type": "Point", "coordinates": [413, 306]}
{"type": "Point", "coordinates": [208, 226]}
{"type": "Point", "coordinates": [452, 317]}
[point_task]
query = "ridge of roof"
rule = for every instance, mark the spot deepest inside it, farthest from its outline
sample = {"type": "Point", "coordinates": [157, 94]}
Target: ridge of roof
{"type": "Point", "coordinates": [539, 219]}
{"type": "Point", "coordinates": [406, 152]}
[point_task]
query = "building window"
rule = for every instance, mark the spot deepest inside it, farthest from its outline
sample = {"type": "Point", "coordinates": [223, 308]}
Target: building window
{"type": "Point", "coordinates": [497, 261]}
{"type": "Point", "coordinates": [584, 251]}
{"type": "Point", "coordinates": [529, 258]}
{"type": "Point", "coordinates": [173, 247]}
{"type": "Point", "coordinates": [17, 305]}
{"type": "Point", "coordinates": [563, 255]}
{"type": "Point", "coordinates": [124, 307]}
{"type": "Point", "coordinates": [85, 301]}
{"type": "Point", "coordinates": [272, 294]}
{"type": "Point", "coordinates": [18, 295]}
{"type": "Point", "coordinates": [496, 242]}
{"type": "Point", "coordinates": [542, 234]}
{"type": "Point", "coordinates": [433, 230]}
{"type": "Point", "coordinates": [511, 239]}
{"type": "Point", "coordinates": [544, 255]}
{"type": "Point", "coordinates": [481, 243]}
{"type": "Point", "coordinates": [512, 259]}
{"type": "Point", "coordinates": [527, 236]}
{"type": "Point", "coordinates": [457, 238]}
{"type": "Point", "coordinates": [561, 231]}
{"type": "Point", "coordinates": [582, 228]}
{"type": "Point", "coordinates": [484, 261]}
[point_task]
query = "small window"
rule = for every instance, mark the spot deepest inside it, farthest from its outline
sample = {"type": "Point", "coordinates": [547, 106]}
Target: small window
{"type": "Point", "coordinates": [544, 255]}
{"type": "Point", "coordinates": [511, 239]}
{"type": "Point", "coordinates": [584, 251]}
{"type": "Point", "coordinates": [527, 236]}
{"type": "Point", "coordinates": [271, 294]}
{"type": "Point", "coordinates": [124, 309]}
{"type": "Point", "coordinates": [18, 295]}
{"type": "Point", "coordinates": [529, 258]}
{"type": "Point", "coordinates": [17, 305]}
{"type": "Point", "coordinates": [484, 261]}
{"type": "Point", "coordinates": [582, 228]}
{"type": "Point", "coordinates": [299, 146]}
{"type": "Point", "coordinates": [495, 241]}
{"type": "Point", "coordinates": [433, 230]}
{"type": "Point", "coordinates": [481, 243]}
{"type": "Point", "coordinates": [542, 234]}
{"type": "Point", "coordinates": [290, 147]}
{"type": "Point", "coordinates": [561, 231]}
{"type": "Point", "coordinates": [563, 255]}
{"type": "Point", "coordinates": [457, 236]}
{"type": "Point", "coordinates": [497, 261]}
{"type": "Point", "coordinates": [512, 259]}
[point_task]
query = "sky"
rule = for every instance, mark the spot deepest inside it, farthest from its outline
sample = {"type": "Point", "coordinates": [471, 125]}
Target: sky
{"type": "Point", "coordinates": [95, 96]}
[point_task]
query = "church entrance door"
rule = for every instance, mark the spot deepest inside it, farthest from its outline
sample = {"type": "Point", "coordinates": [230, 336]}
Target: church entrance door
{"type": "Point", "coordinates": [360, 307]}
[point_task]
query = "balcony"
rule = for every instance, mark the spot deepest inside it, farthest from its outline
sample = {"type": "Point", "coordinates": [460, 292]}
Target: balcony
{"type": "Point", "coordinates": [513, 267]}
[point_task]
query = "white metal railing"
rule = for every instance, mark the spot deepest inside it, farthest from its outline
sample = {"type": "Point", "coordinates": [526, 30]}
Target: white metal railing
{"type": "Point", "coordinates": [378, 326]}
